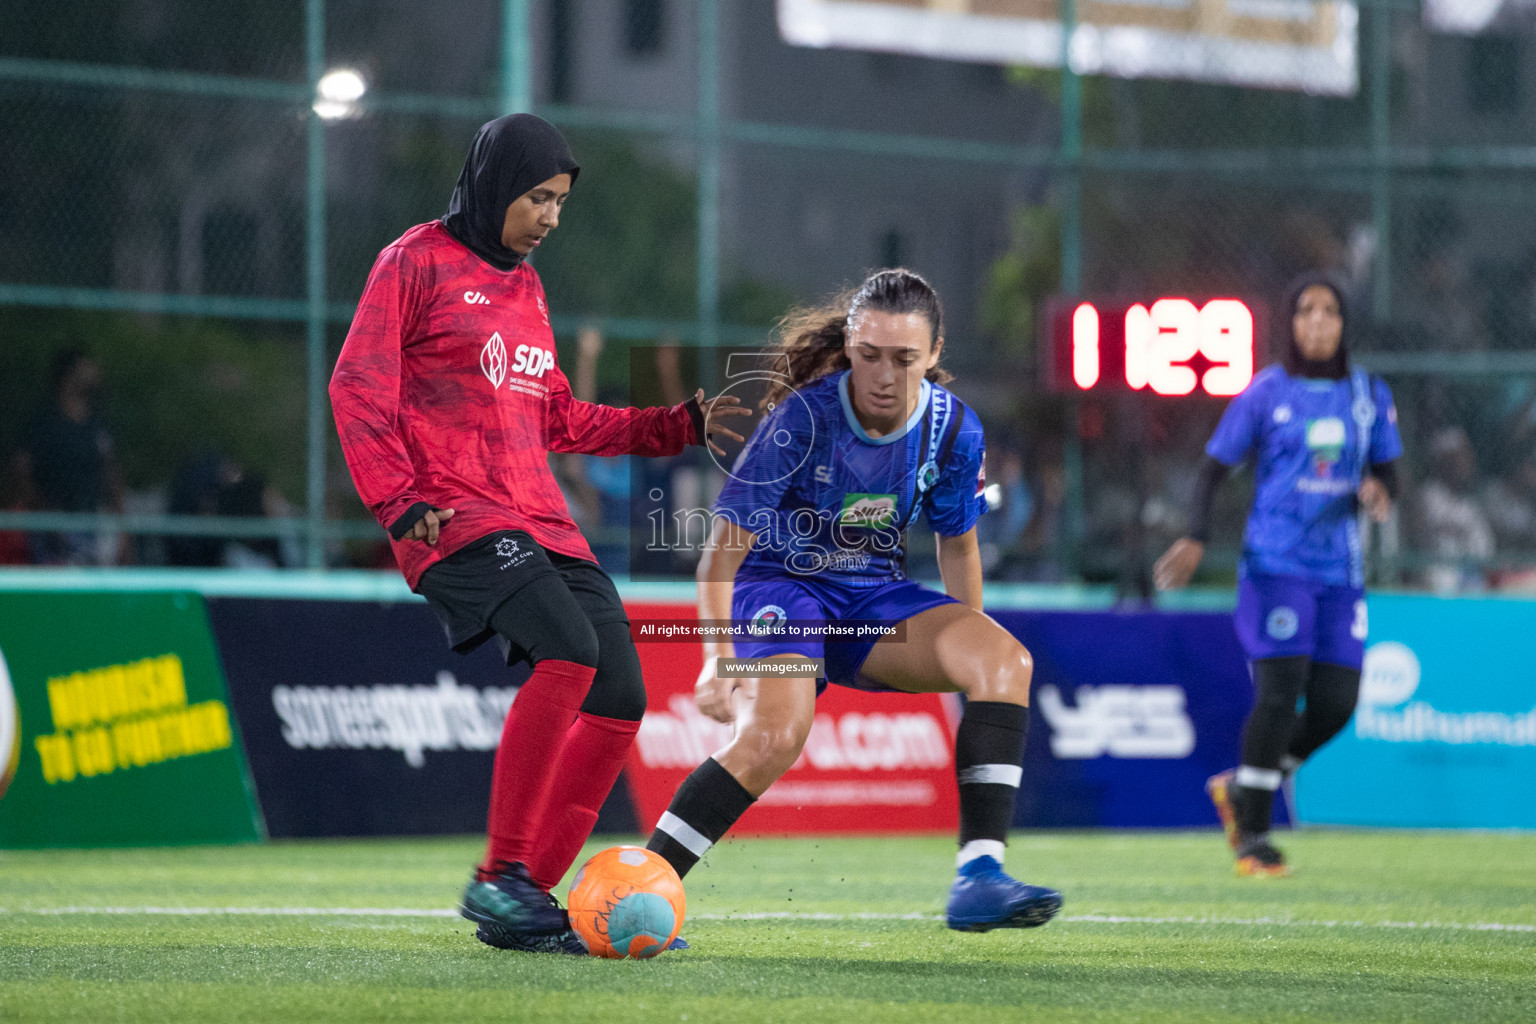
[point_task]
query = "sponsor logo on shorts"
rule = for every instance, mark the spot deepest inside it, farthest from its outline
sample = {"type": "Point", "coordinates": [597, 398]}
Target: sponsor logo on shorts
{"type": "Point", "coordinates": [871, 511]}
{"type": "Point", "coordinates": [769, 618]}
{"type": "Point", "coordinates": [1282, 414]}
{"type": "Point", "coordinates": [512, 552]}
{"type": "Point", "coordinates": [1282, 623]}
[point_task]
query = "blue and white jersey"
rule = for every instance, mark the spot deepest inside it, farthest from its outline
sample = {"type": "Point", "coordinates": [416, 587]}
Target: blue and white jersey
{"type": "Point", "coordinates": [1312, 442]}
{"type": "Point", "coordinates": [826, 500]}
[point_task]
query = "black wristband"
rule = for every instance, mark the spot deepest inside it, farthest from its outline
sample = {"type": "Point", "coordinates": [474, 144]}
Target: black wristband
{"type": "Point", "coordinates": [407, 521]}
{"type": "Point", "coordinates": [696, 413]}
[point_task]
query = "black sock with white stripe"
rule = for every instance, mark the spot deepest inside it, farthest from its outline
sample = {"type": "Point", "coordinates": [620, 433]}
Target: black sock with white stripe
{"type": "Point", "coordinates": [1253, 797]}
{"type": "Point", "coordinates": [703, 809]}
{"type": "Point", "coordinates": [989, 749]}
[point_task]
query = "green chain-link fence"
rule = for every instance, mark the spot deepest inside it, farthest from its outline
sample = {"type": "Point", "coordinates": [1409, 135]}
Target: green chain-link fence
{"type": "Point", "coordinates": [173, 205]}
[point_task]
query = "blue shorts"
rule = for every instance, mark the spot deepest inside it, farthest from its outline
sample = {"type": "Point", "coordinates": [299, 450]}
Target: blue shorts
{"type": "Point", "coordinates": [1283, 616]}
{"type": "Point", "coordinates": [795, 600]}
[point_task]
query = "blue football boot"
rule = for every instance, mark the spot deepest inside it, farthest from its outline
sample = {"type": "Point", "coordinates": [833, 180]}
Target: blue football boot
{"type": "Point", "coordinates": [512, 904]}
{"type": "Point", "coordinates": [985, 897]}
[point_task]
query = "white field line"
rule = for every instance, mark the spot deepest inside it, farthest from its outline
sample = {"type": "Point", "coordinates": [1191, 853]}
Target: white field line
{"type": "Point", "coordinates": [1111, 919]}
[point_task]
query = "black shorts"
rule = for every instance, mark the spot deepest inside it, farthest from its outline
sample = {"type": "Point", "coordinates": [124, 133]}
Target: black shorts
{"type": "Point", "coordinates": [465, 589]}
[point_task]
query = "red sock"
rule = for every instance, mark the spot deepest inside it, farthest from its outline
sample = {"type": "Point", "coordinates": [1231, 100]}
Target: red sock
{"type": "Point", "coordinates": [531, 739]}
{"type": "Point", "coordinates": [588, 766]}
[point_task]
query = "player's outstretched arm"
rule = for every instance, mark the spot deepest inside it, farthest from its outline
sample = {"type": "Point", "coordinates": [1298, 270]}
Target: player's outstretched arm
{"type": "Point", "coordinates": [592, 429]}
{"type": "Point", "coordinates": [724, 552]}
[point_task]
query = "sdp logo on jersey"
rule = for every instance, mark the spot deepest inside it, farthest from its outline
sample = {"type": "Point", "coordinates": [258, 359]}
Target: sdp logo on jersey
{"type": "Point", "coordinates": [528, 360]}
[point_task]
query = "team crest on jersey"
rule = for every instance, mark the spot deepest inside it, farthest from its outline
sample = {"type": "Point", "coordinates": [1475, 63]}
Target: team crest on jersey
{"type": "Point", "coordinates": [493, 360]}
{"type": "Point", "coordinates": [1325, 440]}
{"type": "Point", "coordinates": [770, 618]}
{"type": "Point", "coordinates": [871, 511]}
{"type": "Point", "coordinates": [927, 475]}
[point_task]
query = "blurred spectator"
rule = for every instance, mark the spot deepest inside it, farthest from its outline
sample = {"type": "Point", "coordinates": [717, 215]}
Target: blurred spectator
{"type": "Point", "coordinates": [1511, 504]}
{"type": "Point", "coordinates": [1165, 514]}
{"type": "Point", "coordinates": [600, 490]}
{"type": "Point", "coordinates": [1002, 531]}
{"type": "Point", "coordinates": [212, 485]}
{"type": "Point", "coordinates": [67, 463]}
{"type": "Point", "coordinates": [1510, 501]}
{"type": "Point", "coordinates": [1044, 546]}
{"type": "Point", "coordinates": [1453, 524]}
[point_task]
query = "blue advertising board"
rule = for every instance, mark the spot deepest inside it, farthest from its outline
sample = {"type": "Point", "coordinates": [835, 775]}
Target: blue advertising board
{"type": "Point", "coordinates": [1132, 712]}
{"type": "Point", "coordinates": [359, 720]}
{"type": "Point", "coordinates": [1445, 732]}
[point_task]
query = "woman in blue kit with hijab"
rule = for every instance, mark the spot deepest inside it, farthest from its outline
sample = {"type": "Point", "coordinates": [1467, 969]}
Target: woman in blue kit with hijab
{"type": "Point", "coordinates": [1322, 437]}
{"type": "Point", "coordinates": [860, 438]}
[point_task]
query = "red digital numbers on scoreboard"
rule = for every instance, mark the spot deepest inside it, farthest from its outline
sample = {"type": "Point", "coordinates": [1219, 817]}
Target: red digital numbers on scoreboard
{"type": "Point", "coordinates": [1167, 346]}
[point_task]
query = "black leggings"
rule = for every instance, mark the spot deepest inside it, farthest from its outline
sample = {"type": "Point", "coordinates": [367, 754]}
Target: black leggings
{"type": "Point", "coordinates": [544, 620]}
{"type": "Point", "coordinates": [1274, 728]}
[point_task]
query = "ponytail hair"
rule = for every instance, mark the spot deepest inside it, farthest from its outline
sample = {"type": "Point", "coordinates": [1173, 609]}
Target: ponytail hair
{"type": "Point", "coordinates": [813, 340]}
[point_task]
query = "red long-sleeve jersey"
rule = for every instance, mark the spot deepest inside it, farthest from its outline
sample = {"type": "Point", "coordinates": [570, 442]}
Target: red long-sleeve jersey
{"type": "Point", "coordinates": [447, 392]}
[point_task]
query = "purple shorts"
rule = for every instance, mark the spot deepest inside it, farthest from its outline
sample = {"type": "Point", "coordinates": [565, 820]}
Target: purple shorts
{"type": "Point", "coordinates": [823, 601]}
{"type": "Point", "coordinates": [1283, 616]}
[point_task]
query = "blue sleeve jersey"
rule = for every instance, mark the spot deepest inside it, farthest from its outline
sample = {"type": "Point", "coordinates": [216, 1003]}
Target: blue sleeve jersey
{"type": "Point", "coordinates": [1312, 442]}
{"type": "Point", "coordinates": [825, 499]}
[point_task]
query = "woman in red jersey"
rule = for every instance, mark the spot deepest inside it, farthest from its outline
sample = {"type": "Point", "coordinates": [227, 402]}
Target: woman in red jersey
{"type": "Point", "coordinates": [448, 400]}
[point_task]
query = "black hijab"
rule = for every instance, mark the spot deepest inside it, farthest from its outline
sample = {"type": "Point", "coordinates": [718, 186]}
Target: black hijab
{"type": "Point", "coordinates": [509, 156]}
{"type": "Point", "coordinates": [1297, 364]}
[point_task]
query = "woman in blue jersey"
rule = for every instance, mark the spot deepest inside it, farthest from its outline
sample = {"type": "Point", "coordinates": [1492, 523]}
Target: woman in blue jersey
{"type": "Point", "coordinates": [859, 438]}
{"type": "Point", "coordinates": [1323, 439]}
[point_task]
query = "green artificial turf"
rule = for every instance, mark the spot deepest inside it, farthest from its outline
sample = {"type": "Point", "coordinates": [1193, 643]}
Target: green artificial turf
{"type": "Point", "coordinates": [1155, 928]}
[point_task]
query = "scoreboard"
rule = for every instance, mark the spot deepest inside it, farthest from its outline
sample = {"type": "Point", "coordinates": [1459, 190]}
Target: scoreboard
{"type": "Point", "coordinates": [1168, 345]}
